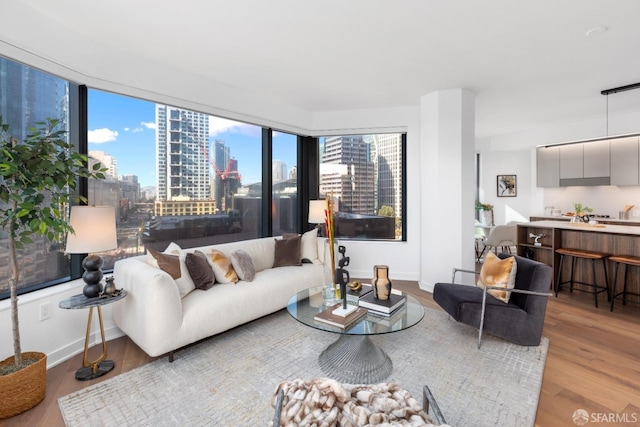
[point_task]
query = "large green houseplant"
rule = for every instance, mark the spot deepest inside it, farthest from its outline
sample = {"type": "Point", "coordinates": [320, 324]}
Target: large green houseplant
{"type": "Point", "coordinates": [38, 178]}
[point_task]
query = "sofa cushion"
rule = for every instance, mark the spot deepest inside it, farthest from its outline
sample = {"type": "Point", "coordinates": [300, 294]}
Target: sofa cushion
{"type": "Point", "coordinates": [167, 262]}
{"type": "Point", "coordinates": [222, 267]}
{"type": "Point", "coordinates": [498, 272]}
{"type": "Point", "coordinates": [174, 264]}
{"type": "Point", "coordinates": [288, 252]}
{"type": "Point", "coordinates": [199, 269]}
{"type": "Point", "coordinates": [309, 249]}
{"type": "Point", "coordinates": [243, 265]}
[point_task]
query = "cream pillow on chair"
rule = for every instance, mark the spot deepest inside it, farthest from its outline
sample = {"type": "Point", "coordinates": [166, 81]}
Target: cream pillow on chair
{"type": "Point", "coordinates": [498, 272]}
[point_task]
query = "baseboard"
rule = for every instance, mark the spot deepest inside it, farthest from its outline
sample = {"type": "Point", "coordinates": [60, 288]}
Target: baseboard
{"type": "Point", "coordinates": [77, 346]}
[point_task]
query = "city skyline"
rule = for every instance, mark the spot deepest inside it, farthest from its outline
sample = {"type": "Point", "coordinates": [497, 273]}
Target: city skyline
{"type": "Point", "coordinates": [125, 128]}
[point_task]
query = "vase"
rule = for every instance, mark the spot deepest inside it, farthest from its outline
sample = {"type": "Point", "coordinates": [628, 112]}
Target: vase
{"type": "Point", "coordinates": [381, 282]}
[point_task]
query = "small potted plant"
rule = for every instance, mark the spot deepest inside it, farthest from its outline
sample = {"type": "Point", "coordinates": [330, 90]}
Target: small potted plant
{"type": "Point", "coordinates": [486, 212]}
{"type": "Point", "coordinates": [37, 180]}
{"type": "Point", "coordinates": [581, 212]}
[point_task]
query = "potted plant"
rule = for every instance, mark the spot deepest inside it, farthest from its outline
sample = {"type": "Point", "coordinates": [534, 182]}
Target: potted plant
{"type": "Point", "coordinates": [37, 180]}
{"type": "Point", "coordinates": [486, 212]}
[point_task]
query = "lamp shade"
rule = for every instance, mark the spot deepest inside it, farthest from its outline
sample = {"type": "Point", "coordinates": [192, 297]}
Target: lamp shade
{"type": "Point", "coordinates": [95, 230]}
{"type": "Point", "coordinates": [316, 211]}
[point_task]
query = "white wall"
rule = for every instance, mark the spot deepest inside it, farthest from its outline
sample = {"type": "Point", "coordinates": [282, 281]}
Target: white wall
{"type": "Point", "coordinates": [520, 163]}
{"type": "Point", "coordinates": [62, 335]}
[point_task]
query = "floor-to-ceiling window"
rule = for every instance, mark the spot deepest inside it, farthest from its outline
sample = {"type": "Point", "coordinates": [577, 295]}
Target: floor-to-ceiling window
{"type": "Point", "coordinates": [174, 175]}
{"type": "Point", "coordinates": [28, 96]}
{"type": "Point", "coordinates": [365, 174]}
{"type": "Point", "coordinates": [284, 183]}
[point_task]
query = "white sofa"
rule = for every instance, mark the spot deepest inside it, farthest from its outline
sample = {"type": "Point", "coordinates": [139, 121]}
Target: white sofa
{"type": "Point", "coordinates": [160, 321]}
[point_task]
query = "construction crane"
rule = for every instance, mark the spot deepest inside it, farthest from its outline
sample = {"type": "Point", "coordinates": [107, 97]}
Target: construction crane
{"type": "Point", "coordinates": [227, 177]}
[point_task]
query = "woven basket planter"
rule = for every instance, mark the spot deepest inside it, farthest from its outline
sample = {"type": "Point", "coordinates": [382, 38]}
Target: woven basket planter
{"type": "Point", "coordinates": [24, 389]}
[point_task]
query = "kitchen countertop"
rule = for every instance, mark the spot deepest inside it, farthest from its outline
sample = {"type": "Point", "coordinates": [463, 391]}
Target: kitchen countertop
{"type": "Point", "coordinates": [635, 221]}
{"type": "Point", "coordinates": [597, 228]}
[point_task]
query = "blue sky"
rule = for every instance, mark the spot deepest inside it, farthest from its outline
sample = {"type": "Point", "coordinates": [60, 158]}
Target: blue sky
{"type": "Point", "coordinates": [124, 127]}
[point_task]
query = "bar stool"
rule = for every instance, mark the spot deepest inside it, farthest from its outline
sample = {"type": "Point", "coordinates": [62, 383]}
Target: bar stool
{"type": "Point", "coordinates": [584, 254]}
{"type": "Point", "coordinates": [626, 260]}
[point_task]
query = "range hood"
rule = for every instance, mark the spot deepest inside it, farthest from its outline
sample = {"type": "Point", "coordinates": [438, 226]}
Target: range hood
{"type": "Point", "coordinates": [591, 181]}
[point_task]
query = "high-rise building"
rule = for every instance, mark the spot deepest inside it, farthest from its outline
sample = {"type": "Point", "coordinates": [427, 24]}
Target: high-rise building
{"type": "Point", "coordinates": [388, 155]}
{"type": "Point", "coordinates": [182, 145]}
{"type": "Point", "coordinates": [347, 171]}
{"type": "Point", "coordinates": [107, 161]}
{"type": "Point", "coordinates": [278, 171]}
{"type": "Point", "coordinates": [28, 96]}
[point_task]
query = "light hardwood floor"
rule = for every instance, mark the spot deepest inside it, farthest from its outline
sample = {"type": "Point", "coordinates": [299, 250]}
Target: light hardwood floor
{"type": "Point", "coordinates": [593, 364]}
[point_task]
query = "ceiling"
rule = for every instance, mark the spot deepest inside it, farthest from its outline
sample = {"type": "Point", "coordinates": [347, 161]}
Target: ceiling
{"type": "Point", "coordinates": [530, 63]}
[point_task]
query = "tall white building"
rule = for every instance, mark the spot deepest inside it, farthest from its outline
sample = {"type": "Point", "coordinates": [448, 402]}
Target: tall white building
{"type": "Point", "coordinates": [107, 161]}
{"type": "Point", "coordinates": [278, 171]}
{"type": "Point", "coordinates": [346, 171]}
{"type": "Point", "coordinates": [388, 157]}
{"type": "Point", "coordinates": [182, 154]}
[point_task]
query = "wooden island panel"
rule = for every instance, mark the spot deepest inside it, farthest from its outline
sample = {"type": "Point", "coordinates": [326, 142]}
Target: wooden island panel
{"type": "Point", "coordinates": [613, 239]}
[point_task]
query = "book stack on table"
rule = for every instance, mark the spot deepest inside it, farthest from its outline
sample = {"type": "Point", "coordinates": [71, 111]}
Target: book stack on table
{"type": "Point", "coordinates": [380, 307]}
{"type": "Point", "coordinates": [353, 297]}
{"type": "Point", "coordinates": [344, 322]}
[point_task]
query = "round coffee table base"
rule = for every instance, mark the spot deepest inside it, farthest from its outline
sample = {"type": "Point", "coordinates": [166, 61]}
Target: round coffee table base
{"type": "Point", "coordinates": [355, 359]}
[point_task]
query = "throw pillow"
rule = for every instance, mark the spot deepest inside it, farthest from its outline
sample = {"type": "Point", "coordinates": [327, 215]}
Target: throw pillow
{"type": "Point", "coordinates": [200, 270]}
{"type": "Point", "coordinates": [243, 265]}
{"type": "Point", "coordinates": [498, 272]}
{"type": "Point", "coordinates": [222, 268]}
{"type": "Point", "coordinates": [288, 252]}
{"type": "Point", "coordinates": [174, 264]}
{"type": "Point", "coordinates": [167, 262]}
{"type": "Point", "coordinates": [309, 251]}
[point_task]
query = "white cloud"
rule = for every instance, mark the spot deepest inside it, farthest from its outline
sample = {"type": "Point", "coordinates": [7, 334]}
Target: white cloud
{"type": "Point", "coordinates": [100, 136]}
{"type": "Point", "coordinates": [136, 130]}
{"type": "Point", "coordinates": [219, 125]}
{"type": "Point", "coordinates": [126, 129]}
{"type": "Point", "coordinates": [149, 125]}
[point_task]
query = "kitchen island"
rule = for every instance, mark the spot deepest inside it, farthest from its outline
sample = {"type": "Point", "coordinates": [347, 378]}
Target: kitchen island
{"type": "Point", "coordinates": [613, 239]}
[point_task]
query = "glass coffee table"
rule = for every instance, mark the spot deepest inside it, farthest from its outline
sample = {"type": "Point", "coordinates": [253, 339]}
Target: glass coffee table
{"type": "Point", "coordinates": [353, 357]}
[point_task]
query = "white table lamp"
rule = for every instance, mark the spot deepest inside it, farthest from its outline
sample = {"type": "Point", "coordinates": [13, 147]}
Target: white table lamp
{"type": "Point", "coordinates": [94, 231]}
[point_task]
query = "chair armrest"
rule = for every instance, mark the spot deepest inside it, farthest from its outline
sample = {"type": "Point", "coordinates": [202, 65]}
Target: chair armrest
{"type": "Point", "coordinates": [278, 408]}
{"type": "Point", "coordinates": [517, 291]}
{"type": "Point", "coordinates": [429, 401]}
{"type": "Point", "coordinates": [461, 270]}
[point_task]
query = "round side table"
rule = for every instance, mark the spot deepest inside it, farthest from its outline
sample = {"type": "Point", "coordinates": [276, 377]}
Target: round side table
{"type": "Point", "coordinates": [100, 366]}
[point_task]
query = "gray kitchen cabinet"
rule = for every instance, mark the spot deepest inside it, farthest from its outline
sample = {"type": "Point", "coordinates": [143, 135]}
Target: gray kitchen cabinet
{"type": "Point", "coordinates": [571, 161]}
{"type": "Point", "coordinates": [625, 161]}
{"type": "Point", "coordinates": [596, 159]}
{"type": "Point", "coordinates": [548, 166]}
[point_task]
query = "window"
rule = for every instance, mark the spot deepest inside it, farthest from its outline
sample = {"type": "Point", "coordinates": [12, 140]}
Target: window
{"type": "Point", "coordinates": [28, 96]}
{"type": "Point", "coordinates": [284, 183]}
{"type": "Point", "coordinates": [365, 175]}
{"type": "Point", "coordinates": [198, 184]}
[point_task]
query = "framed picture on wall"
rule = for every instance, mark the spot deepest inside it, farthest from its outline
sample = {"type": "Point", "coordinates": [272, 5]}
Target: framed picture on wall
{"type": "Point", "coordinates": [507, 186]}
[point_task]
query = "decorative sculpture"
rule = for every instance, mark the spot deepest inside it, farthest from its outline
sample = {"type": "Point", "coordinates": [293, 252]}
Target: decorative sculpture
{"type": "Point", "coordinates": [342, 275]}
{"type": "Point", "coordinates": [536, 237]}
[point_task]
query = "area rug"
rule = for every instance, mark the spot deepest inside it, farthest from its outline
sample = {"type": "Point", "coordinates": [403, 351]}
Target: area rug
{"type": "Point", "coordinates": [229, 379]}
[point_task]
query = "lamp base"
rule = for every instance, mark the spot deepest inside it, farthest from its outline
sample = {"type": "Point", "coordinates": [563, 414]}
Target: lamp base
{"type": "Point", "coordinates": [92, 290]}
{"type": "Point", "coordinates": [92, 275]}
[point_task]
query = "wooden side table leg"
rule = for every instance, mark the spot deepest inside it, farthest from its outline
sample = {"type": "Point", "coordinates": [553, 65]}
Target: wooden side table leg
{"type": "Point", "coordinates": [99, 367]}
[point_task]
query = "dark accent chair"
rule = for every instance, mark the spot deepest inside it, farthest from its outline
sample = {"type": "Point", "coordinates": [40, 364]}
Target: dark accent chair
{"type": "Point", "coordinates": [519, 321]}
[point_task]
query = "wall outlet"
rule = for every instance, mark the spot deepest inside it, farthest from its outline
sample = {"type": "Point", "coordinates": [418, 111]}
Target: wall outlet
{"type": "Point", "coordinates": [45, 311]}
